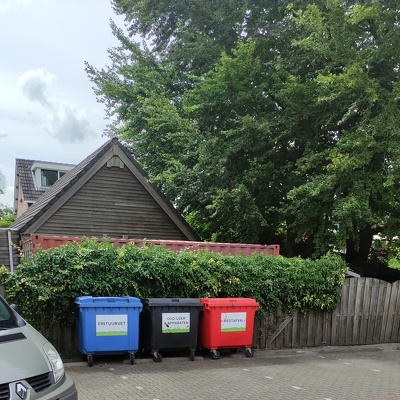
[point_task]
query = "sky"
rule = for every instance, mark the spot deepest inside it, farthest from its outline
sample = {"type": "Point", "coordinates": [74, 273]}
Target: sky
{"type": "Point", "coordinates": [48, 109]}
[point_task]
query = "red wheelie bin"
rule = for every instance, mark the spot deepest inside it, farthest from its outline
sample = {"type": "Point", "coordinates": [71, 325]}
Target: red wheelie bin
{"type": "Point", "coordinates": [227, 323]}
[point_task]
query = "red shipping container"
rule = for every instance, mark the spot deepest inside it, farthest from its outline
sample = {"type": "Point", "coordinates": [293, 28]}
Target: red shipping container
{"type": "Point", "coordinates": [31, 244]}
{"type": "Point", "coordinates": [227, 323]}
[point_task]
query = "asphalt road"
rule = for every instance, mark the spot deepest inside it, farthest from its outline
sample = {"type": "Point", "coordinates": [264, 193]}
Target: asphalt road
{"type": "Point", "coordinates": [328, 373]}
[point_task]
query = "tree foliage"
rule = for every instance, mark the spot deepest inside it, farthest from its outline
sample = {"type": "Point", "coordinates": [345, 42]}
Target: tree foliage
{"type": "Point", "coordinates": [7, 216]}
{"type": "Point", "coordinates": [193, 34]}
{"type": "Point", "coordinates": [265, 121]}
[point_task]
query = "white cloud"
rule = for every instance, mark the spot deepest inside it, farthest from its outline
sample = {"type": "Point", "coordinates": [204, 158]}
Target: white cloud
{"type": "Point", "coordinates": [68, 124]}
{"type": "Point", "coordinates": [64, 121]}
{"type": "Point", "coordinates": [52, 114]}
{"type": "Point", "coordinates": [35, 85]}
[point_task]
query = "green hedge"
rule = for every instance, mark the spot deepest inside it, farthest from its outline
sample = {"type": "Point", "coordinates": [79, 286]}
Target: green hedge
{"type": "Point", "coordinates": [45, 286]}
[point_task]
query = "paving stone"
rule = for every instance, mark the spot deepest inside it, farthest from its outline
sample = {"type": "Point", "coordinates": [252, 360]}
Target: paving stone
{"type": "Point", "coordinates": [357, 373]}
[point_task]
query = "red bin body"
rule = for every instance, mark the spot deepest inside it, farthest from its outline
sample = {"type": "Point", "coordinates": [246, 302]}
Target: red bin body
{"type": "Point", "coordinates": [227, 323]}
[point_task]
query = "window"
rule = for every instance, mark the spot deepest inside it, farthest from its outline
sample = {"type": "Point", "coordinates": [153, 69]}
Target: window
{"type": "Point", "coordinates": [46, 174]}
{"type": "Point", "coordinates": [48, 177]}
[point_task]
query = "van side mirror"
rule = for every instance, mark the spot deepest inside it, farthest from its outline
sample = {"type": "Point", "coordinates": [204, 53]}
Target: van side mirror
{"type": "Point", "coordinates": [17, 312]}
{"type": "Point", "coordinates": [15, 308]}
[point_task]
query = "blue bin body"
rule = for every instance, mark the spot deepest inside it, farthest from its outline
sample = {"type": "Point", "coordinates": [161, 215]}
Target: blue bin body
{"type": "Point", "coordinates": [108, 325]}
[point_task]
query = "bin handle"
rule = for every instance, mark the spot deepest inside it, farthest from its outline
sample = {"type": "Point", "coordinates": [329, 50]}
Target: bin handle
{"type": "Point", "coordinates": [208, 306]}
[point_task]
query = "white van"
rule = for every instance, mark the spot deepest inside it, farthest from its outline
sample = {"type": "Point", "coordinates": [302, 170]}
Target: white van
{"type": "Point", "coordinates": [30, 367]}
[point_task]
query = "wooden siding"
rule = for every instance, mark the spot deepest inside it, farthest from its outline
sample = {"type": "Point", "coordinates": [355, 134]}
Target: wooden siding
{"type": "Point", "coordinates": [368, 313]}
{"type": "Point", "coordinates": [112, 203]}
{"type": "Point", "coordinates": [5, 248]}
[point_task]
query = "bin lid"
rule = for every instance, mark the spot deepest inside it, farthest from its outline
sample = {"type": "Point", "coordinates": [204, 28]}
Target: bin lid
{"type": "Point", "coordinates": [123, 301]}
{"type": "Point", "coordinates": [229, 302]}
{"type": "Point", "coordinates": [160, 302]}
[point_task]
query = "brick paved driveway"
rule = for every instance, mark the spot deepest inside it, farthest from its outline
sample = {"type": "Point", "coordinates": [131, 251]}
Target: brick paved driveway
{"type": "Point", "coordinates": [347, 373]}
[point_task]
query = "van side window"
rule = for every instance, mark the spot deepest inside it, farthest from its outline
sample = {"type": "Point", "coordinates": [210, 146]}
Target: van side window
{"type": "Point", "coordinates": [7, 320]}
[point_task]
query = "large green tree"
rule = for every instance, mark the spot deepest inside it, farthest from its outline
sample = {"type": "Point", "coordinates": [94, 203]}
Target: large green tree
{"type": "Point", "coordinates": [352, 182]}
{"type": "Point", "coordinates": [265, 121]}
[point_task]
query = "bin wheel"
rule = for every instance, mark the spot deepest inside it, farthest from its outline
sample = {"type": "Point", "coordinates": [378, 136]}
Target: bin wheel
{"type": "Point", "coordinates": [249, 352]}
{"type": "Point", "coordinates": [233, 350]}
{"type": "Point", "coordinates": [132, 358]}
{"type": "Point", "coordinates": [90, 360]}
{"type": "Point", "coordinates": [192, 355]}
{"type": "Point", "coordinates": [215, 354]}
{"type": "Point", "coordinates": [157, 357]}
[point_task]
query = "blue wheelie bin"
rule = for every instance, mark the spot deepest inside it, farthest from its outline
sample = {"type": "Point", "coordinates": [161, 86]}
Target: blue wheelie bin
{"type": "Point", "coordinates": [108, 325]}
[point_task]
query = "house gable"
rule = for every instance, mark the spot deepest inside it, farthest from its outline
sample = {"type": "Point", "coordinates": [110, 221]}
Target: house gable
{"type": "Point", "coordinates": [106, 194]}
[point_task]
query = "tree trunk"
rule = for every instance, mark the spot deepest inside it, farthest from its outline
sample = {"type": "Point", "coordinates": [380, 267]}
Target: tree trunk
{"type": "Point", "coordinates": [292, 248]}
{"type": "Point", "coordinates": [358, 252]}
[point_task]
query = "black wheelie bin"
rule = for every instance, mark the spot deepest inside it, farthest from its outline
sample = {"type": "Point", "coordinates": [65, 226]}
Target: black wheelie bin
{"type": "Point", "coordinates": [169, 324]}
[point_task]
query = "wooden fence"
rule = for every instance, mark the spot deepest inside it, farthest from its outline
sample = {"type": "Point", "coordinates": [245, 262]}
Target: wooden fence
{"type": "Point", "coordinates": [368, 313]}
{"type": "Point", "coordinates": [9, 254]}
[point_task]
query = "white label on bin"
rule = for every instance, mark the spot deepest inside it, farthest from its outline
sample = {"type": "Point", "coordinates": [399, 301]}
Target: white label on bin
{"type": "Point", "coordinates": [233, 322]}
{"type": "Point", "coordinates": [112, 325]}
{"type": "Point", "coordinates": [175, 322]}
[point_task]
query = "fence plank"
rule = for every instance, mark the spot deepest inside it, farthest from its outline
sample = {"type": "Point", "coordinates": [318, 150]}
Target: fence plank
{"type": "Point", "coordinates": [342, 317]}
{"type": "Point", "coordinates": [294, 324]}
{"type": "Point", "coordinates": [385, 312]}
{"type": "Point", "coordinates": [287, 334]}
{"type": "Point", "coordinates": [303, 330]}
{"type": "Point", "coordinates": [309, 322]}
{"type": "Point", "coordinates": [390, 314]}
{"type": "Point", "coordinates": [359, 297]}
{"type": "Point", "coordinates": [319, 321]}
{"type": "Point", "coordinates": [350, 311]}
{"type": "Point", "coordinates": [394, 334]}
{"type": "Point", "coordinates": [371, 312]}
{"type": "Point", "coordinates": [365, 313]}
{"type": "Point", "coordinates": [335, 327]}
{"type": "Point", "coordinates": [379, 311]}
{"type": "Point", "coordinates": [327, 329]}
